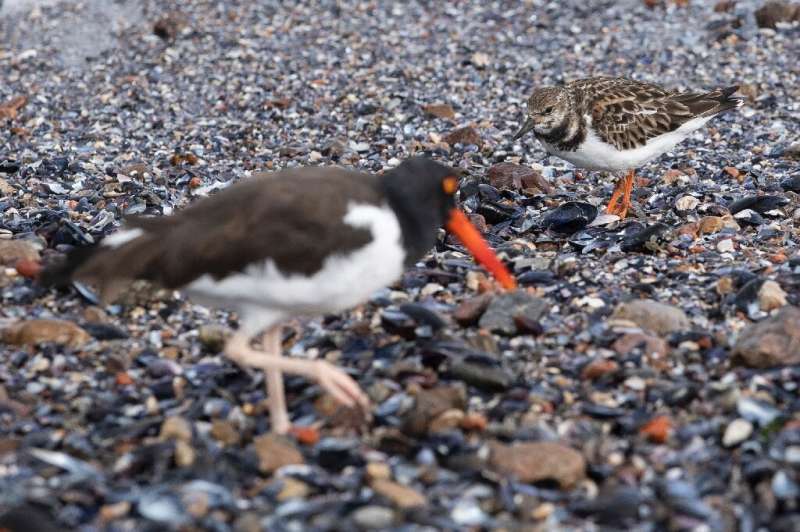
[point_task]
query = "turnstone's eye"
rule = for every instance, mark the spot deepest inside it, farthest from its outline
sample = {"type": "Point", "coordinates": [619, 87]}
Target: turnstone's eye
{"type": "Point", "coordinates": [548, 110]}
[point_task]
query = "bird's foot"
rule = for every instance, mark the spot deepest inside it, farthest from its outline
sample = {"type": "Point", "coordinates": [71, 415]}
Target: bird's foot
{"type": "Point", "coordinates": [340, 385]}
{"type": "Point", "coordinates": [332, 379]}
{"type": "Point", "coordinates": [619, 208]}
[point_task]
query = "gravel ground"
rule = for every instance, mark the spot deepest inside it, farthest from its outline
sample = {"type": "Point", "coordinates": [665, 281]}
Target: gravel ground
{"type": "Point", "coordinates": [645, 377]}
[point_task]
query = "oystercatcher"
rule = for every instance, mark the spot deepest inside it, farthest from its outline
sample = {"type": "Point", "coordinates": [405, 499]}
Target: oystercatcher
{"type": "Point", "coordinates": [618, 124]}
{"type": "Point", "coordinates": [297, 242]}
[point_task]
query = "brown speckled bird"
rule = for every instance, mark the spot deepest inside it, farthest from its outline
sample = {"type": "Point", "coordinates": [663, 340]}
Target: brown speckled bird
{"type": "Point", "coordinates": [618, 124]}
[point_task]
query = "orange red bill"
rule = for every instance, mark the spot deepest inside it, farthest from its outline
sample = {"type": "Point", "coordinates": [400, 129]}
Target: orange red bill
{"type": "Point", "coordinates": [459, 225]}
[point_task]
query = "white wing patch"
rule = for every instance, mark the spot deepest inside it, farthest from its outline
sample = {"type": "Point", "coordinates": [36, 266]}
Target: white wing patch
{"type": "Point", "coordinates": [122, 237]}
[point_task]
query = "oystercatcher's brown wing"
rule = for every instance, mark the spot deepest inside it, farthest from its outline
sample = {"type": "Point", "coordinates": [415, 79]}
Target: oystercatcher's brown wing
{"type": "Point", "coordinates": [294, 218]}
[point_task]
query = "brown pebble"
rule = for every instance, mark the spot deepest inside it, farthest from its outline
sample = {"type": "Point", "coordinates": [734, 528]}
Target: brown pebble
{"type": "Point", "coordinates": [378, 471]}
{"type": "Point", "coordinates": [447, 420]}
{"type": "Point", "coordinates": [732, 171]}
{"type": "Point", "coordinates": [464, 135]}
{"type": "Point", "coordinates": [431, 403]}
{"type": "Point", "coordinates": [772, 342]}
{"type": "Point", "coordinates": [474, 421]}
{"type": "Point", "coordinates": [14, 251]}
{"type": "Point", "coordinates": [95, 315]}
{"type": "Point", "coordinates": [225, 432]}
{"type": "Point", "coordinates": [184, 454]}
{"type": "Point", "coordinates": [176, 428]}
{"type": "Point", "coordinates": [291, 488]}
{"type": "Point", "coordinates": [440, 110]}
{"type": "Point", "coordinates": [34, 332]}
{"type": "Point", "coordinates": [274, 452]}
{"type": "Point", "coordinates": [469, 311]}
{"type": "Point", "coordinates": [400, 495]}
{"type": "Point", "coordinates": [110, 512]}
{"type": "Point", "coordinates": [531, 462]}
{"type": "Point", "coordinates": [516, 176]}
{"type": "Point", "coordinates": [598, 368]}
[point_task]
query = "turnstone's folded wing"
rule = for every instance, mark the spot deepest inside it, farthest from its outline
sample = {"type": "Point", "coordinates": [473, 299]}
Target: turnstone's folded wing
{"type": "Point", "coordinates": [627, 113]}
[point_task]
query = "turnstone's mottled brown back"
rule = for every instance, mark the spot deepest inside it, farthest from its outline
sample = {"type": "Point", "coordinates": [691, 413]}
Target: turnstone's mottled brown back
{"type": "Point", "coordinates": [627, 113]}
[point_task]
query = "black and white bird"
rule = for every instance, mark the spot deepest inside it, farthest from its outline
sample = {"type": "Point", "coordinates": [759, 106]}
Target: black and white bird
{"type": "Point", "coordinates": [618, 124]}
{"type": "Point", "coordinates": [276, 246]}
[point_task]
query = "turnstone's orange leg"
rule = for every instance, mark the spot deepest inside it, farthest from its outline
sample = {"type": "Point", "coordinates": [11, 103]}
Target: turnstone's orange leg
{"type": "Point", "coordinates": [630, 180]}
{"type": "Point", "coordinates": [620, 200]}
{"type": "Point", "coordinates": [615, 197]}
{"type": "Point", "coordinates": [332, 379]}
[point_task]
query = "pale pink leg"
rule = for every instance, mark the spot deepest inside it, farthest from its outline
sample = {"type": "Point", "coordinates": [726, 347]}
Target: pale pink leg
{"type": "Point", "coordinates": [332, 379]}
{"type": "Point", "coordinates": [278, 415]}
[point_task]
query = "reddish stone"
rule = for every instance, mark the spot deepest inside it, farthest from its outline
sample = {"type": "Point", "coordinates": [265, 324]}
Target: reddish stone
{"type": "Point", "coordinates": [474, 421]}
{"type": "Point", "coordinates": [305, 435]}
{"type": "Point", "coordinates": [29, 268]}
{"type": "Point", "coordinates": [598, 368]}
{"type": "Point", "coordinates": [657, 429]}
{"type": "Point", "coordinates": [123, 379]}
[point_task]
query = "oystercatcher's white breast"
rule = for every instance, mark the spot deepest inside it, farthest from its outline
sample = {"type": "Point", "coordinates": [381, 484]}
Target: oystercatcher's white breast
{"type": "Point", "coordinates": [264, 296]}
{"type": "Point", "coordinates": [595, 154]}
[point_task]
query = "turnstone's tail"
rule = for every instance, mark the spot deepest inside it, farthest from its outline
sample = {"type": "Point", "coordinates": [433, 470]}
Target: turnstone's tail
{"type": "Point", "coordinates": [710, 103]}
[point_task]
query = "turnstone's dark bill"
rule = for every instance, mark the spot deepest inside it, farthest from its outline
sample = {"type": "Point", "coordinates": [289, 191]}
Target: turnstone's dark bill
{"type": "Point", "coordinates": [297, 242]}
{"type": "Point", "coordinates": [618, 124]}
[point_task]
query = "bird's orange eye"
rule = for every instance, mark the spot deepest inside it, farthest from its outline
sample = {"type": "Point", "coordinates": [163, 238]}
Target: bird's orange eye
{"type": "Point", "coordinates": [450, 185]}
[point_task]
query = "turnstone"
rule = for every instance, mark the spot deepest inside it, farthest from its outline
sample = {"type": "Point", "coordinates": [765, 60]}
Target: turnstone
{"type": "Point", "coordinates": [297, 242]}
{"type": "Point", "coordinates": [618, 124]}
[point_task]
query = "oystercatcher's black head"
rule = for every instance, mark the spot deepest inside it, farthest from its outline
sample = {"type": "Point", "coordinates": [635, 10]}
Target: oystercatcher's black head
{"type": "Point", "coordinates": [424, 186]}
{"type": "Point", "coordinates": [421, 193]}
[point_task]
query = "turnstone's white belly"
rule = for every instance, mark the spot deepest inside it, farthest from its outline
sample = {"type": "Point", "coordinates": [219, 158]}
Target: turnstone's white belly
{"type": "Point", "coordinates": [594, 154]}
